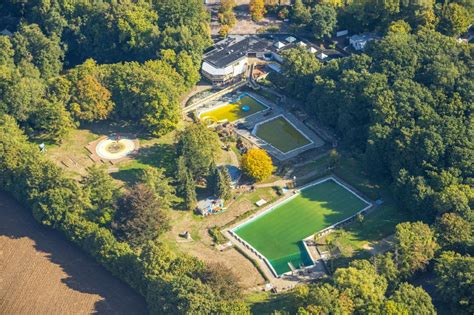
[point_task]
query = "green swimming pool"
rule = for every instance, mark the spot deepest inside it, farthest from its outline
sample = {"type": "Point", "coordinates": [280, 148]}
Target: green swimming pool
{"type": "Point", "coordinates": [281, 134]}
{"type": "Point", "coordinates": [278, 234]}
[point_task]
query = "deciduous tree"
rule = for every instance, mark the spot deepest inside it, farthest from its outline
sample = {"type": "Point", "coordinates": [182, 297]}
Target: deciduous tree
{"type": "Point", "coordinates": [140, 216]}
{"type": "Point", "coordinates": [199, 146]}
{"type": "Point", "coordinates": [324, 19]}
{"type": "Point", "coordinates": [454, 280]}
{"type": "Point", "coordinates": [415, 246]}
{"type": "Point", "coordinates": [102, 193]}
{"type": "Point", "coordinates": [257, 164]}
{"type": "Point", "coordinates": [411, 300]}
{"type": "Point", "coordinates": [257, 9]}
{"type": "Point", "coordinates": [453, 230]}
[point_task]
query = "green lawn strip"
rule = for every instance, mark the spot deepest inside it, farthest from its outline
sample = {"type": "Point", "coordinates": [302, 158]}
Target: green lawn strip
{"type": "Point", "coordinates": [319, 165]}
{"type": "Point", "coordinates": [277, 234]}
{"type": "Point", "coordinates": [281, 134]}
{"type": "Point", "coordinates": [267, 303]}
{"type": "Point", "coordinates": [233, 111]}
{"type": "Point", "coordinates": [268, 95]}
{"type": "Point", "coordinates": [267, 193]}
{"type": "Point", "coordinates": [355, 237]}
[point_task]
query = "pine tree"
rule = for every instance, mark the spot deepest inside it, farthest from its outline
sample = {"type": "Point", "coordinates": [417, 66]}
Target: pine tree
{"type": "Point", "coordinates": [223, 185]}
{"type": "Point", "coordinates": [213, 178]}
{"type": "Point", "coordinates": [190, 198]}
{"type": "Point", "coordinates": [181, 172]}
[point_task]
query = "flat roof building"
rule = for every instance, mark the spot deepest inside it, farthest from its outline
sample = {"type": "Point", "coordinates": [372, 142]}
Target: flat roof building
{"type": "Point", "coordinates": [228, 60]}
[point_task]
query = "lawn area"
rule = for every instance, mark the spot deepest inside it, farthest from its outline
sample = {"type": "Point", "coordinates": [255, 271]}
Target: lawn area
{"type": "Point", "coordinates": [153, 152]}
{"type": "Point", "coordinates": [281, 134]}
{"type": "Point", "coordinates": [264, 303]}
{"type": "Point", "coordinates": [234, 111]}
{"type": "Point", "coordinates": [355, 239]}
{"type": "Point", "coordinates": [278, 233]}
{"type": "Point", "coordinates": [321, 165]}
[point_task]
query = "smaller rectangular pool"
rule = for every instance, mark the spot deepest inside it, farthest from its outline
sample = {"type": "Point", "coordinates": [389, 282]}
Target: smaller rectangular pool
{"type": "Point", "coordinates": [281, 134]}
{"type": "Point", "coordinates": [244, 106]}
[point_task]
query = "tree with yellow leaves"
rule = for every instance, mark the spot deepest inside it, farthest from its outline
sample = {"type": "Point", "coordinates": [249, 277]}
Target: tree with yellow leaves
{"type": "Point", "coordinates": [257, 164]}
{"type": "Point", "coordinates": [257, 9]}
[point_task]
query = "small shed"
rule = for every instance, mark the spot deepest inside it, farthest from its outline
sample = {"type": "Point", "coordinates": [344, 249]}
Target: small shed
{"type": "Point", "coordinates": [290, 39]}
{"type": "Point", "coordinates": [211, 205]}
{"type": "Point", "coordinates": [360, 41]}
{"type": "Point", "coordinates": [279, 45]}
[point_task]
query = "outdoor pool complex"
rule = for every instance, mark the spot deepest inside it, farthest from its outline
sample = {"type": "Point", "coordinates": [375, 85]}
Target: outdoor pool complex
{"type": "Point", "coordinates": [281, 134]}
{"type": "Point", "coordinates": [277, 234]}
{"type": "Point", "coordinates": [244, 106]}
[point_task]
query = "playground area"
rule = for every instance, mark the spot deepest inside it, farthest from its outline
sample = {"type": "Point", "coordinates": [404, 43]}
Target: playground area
{"type": "Point", "coordinates": [279, 231]}
{"type": "Point", "coordinates": [242, 107]}
{"type": "Point", "coordinates": [281, 134]}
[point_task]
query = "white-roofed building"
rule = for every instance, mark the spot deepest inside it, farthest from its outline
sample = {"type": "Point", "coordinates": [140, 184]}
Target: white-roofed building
{"type": "Point", "coordinates": [360, 41]}
{"type": "Point", "coordinates": [279, 45]}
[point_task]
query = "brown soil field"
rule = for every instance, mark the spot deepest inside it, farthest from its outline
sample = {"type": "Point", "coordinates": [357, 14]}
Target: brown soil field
{"type": "Point", "coordinates": [42, 273]}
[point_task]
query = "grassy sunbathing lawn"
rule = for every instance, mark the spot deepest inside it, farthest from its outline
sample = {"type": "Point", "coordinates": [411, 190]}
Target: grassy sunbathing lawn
{"type": "Point", "coordinates": [233, 111]}
{"type": "Point", "coordinates": [281, 134]}
{"type": "Point", "coordinates": [278, 233]}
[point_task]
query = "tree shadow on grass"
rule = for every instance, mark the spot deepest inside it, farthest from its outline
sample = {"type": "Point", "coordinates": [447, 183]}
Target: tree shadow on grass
{"type": "Point", "coordinates": [109, 127]}
{"type": "Point", "coordinates": [130, 176]}
{"type": "Point", "coordinates": [67, 264]}
{"type": "Point", "coordinates": [159, 155]}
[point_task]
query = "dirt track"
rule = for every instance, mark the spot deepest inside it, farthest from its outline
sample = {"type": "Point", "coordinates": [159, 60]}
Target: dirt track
{"type": "Point", "coordinates": [42, 273]}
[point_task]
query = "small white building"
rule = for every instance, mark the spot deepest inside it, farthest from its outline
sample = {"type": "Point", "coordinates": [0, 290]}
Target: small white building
{"type": "Point", "coordinates": [210, 206]}
{"type": "Point", "coordinates": [279, 45]}
{"type": "Point", "coordinates": [358, 42]}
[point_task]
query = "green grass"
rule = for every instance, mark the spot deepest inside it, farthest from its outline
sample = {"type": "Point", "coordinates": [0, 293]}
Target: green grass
{"type": "Point", "coordinates": [153, 152]}
{"type": "Point", "coordinates": [233, 111]}
{"type": "Point", "coordinates": [268, 95]}
{"type": "Point", "coordinates": [355, 237]}
{"type": "Point", "coordinates": [281, 134]}
{"type": "Point", "coordinates": [264, 303]}
{"type": "Point", "coordinates": [377, 225]}
{"type": "Point", "coordinates": [320, 165]}
{"type": "Point", "coordinates": [277, 235]}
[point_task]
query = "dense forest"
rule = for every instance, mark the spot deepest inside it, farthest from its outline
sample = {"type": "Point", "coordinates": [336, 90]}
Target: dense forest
{"type": "Point", "coordinates": [70, 62]}
{"type": "Point", "coordinates": [321, 18]}
{"type": "Point", "coordinates": [403, 106]}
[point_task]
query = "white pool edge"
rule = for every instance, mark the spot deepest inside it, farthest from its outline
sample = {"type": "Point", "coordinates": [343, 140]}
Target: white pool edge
{"type": "Point", "coordinates": [254, 133]}
{"type": "Point", "coordinates": [272, 207]}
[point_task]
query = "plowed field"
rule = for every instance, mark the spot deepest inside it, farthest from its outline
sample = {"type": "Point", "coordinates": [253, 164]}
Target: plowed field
{"type": "Point", "coordinates": [42, 273]}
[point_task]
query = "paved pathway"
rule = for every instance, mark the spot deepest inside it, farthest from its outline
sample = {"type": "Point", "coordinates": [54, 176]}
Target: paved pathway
{"type": "Point", "coordinates": [208, 100]}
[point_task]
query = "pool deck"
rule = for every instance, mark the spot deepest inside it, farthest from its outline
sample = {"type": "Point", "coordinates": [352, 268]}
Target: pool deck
{"type": "Point", "coordinates": [317, 270]}
{"type": "Point", "coordinates": [286, 281]}
{"type": "Point", "coordinates": [267, 114]}
{"type": "Point", "coordinates": [276, 111]}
